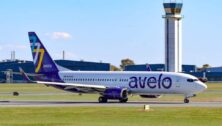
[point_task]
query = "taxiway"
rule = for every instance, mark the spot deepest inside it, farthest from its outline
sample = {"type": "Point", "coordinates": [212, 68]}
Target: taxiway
{"type": "Point", "coordinates": [110, 104]}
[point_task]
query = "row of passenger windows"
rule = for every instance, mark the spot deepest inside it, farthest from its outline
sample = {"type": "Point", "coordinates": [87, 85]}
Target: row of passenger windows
{"type": "Point", "coordinates": [69, 78]}
{"type": "Point", "coordinates": [93, 79]}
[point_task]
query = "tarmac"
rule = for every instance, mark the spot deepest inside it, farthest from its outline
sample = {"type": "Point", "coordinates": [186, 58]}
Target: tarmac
{"type": "Point", "coordinates": [109, 104]}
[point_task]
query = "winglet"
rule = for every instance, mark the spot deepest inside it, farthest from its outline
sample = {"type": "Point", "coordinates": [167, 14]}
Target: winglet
{"type": "Point", "coordinates": [25, 75]}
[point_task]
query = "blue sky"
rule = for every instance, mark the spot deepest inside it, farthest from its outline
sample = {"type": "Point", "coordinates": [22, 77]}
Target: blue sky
{"type": "Point", "coordinates": [109, 30]}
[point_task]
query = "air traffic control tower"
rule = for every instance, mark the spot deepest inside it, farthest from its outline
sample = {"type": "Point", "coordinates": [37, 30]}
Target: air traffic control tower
{"type": "Point", "coordinates": [173, 36]}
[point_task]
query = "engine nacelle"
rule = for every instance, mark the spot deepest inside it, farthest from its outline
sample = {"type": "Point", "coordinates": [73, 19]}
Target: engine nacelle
{"type": "Point", "coordinates": [150, 96]}
{"type": "Point", "coordinates": [116, 93]}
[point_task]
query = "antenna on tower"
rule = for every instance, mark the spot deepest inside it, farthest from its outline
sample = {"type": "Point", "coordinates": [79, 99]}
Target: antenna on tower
{"type": "Point", "coordinates": [63, 54]}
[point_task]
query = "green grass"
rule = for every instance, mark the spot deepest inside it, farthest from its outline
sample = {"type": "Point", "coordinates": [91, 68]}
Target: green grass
{"type": "Point", "coordinates": [27, 88]}
{"type": "Point", "coordinates": [214, 86]}
{"type": "Point", "coordinates": [41, 92]}
{"type": "Point", "coordinates": [109, 116]}
{"type": "Point", "coordinates": [104, 116]}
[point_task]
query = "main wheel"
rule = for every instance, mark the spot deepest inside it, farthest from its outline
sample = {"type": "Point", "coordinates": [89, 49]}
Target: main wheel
{"type": "Point", "coordinates": [186, 100]}
{"type": "Point", "coordinates": [123, 100]}
{"type": "Point", "coordinates": [102, 99]}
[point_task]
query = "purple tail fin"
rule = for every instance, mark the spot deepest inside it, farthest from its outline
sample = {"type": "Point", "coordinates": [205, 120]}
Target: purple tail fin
{"type": "Point", "coordinates": [43, 62]}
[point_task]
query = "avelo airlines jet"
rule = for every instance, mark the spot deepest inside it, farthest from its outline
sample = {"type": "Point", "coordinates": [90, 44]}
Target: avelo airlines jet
{"type": "Point", "coordinates": [111, 85]}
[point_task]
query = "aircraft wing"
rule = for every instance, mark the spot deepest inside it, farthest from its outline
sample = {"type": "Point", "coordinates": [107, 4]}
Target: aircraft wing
{"type": "Point", "coordinates": [81, 87]}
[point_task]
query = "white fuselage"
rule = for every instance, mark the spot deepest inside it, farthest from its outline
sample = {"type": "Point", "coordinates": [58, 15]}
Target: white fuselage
{"type": "Point", "coordinates": [138, 82]}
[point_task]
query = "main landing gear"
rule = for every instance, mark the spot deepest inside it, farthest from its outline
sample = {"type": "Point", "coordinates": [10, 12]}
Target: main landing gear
{"type": "Point", "coordinates": [186, 99]}
{"type": "Point", "coordinates": [103, 99]}
{"type": "Point", "coordinates": [123, 100]}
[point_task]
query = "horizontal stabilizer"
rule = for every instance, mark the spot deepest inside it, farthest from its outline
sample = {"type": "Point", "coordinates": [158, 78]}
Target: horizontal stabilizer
{"type": "Point", "coordinates": [25, 75]}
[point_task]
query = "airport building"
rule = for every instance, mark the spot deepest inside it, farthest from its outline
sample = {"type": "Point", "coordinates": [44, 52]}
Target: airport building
{"type": "Point", "coordinates": [159, 67]}
{"type": "Point", "coordinates": [213, 69]}
{"type": "Point", "coordinates": [213, 74]}
{"type": "Point", "coordinates": [7, 68]}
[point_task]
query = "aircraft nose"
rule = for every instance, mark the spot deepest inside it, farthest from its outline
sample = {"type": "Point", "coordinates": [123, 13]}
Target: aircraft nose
{"type": "Point", "coordinates": [202, 86]}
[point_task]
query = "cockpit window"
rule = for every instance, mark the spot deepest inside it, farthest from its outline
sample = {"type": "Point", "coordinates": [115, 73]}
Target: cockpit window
{"type": "Point", "coordinates": [192, 80]}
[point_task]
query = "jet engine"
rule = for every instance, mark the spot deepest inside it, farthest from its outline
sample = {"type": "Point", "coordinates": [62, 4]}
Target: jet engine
{"type": "Point", "coordinates": [116, 93]}
{"type": "Point", "coordinates": [120, 94]}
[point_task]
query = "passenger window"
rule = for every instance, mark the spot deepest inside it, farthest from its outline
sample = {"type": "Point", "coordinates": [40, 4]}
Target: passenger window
{"type": "Point", "coordinates": [192, 80]}
{"type": "Point", "coordinates": [189, 80]}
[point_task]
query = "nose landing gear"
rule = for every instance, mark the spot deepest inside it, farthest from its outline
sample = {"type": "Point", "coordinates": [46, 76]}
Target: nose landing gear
{"type": "Point", "coordinates": [186, 99]}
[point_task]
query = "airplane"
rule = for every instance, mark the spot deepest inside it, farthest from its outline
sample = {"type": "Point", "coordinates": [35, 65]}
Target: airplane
{"type": "Point", "coordinates": [109, 84]}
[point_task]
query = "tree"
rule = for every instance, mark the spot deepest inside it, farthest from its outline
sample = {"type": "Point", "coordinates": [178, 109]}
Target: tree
{"type": "Point", "coordinates": [126, 62]}
{"type": "Point", "coordinates": [114, 68]}
{"type": "Point", "coordinates": [204, 67]}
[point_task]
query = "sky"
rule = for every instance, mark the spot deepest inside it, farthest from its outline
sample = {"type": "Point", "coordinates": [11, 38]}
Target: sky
{"type": "Point", "coordinates": [110, 30]}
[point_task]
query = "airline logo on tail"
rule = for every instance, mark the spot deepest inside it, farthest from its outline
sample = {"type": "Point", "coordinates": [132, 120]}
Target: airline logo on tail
{"type": "Point", "coordinates": [38, 52]}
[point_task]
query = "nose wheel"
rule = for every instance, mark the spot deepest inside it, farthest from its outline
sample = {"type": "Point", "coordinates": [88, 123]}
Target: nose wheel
{"type": "Point", "coordinates": [186, 100]}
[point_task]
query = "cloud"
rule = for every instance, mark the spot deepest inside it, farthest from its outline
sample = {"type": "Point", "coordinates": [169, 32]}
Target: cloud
{"type": "Point", "coordinates": [59, 35]}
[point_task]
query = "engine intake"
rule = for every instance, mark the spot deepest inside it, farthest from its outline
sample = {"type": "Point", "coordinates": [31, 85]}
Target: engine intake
{"type": "Point", "coordinates": [116, 93]}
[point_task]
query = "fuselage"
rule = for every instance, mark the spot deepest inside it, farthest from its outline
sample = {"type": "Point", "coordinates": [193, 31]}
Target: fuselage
{"type": "Point", "coordinates": [138, 82]}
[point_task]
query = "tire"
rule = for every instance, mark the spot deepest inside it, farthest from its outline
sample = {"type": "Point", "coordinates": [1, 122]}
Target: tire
{"type": "Point", "coordinates": [15, 93]}
{"type": "Point", "coordinates": [123, 100]}
{"type": "Point", "coordinates": [102, 100]}
{"type": "Point", "coordinates": [186, 100]}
